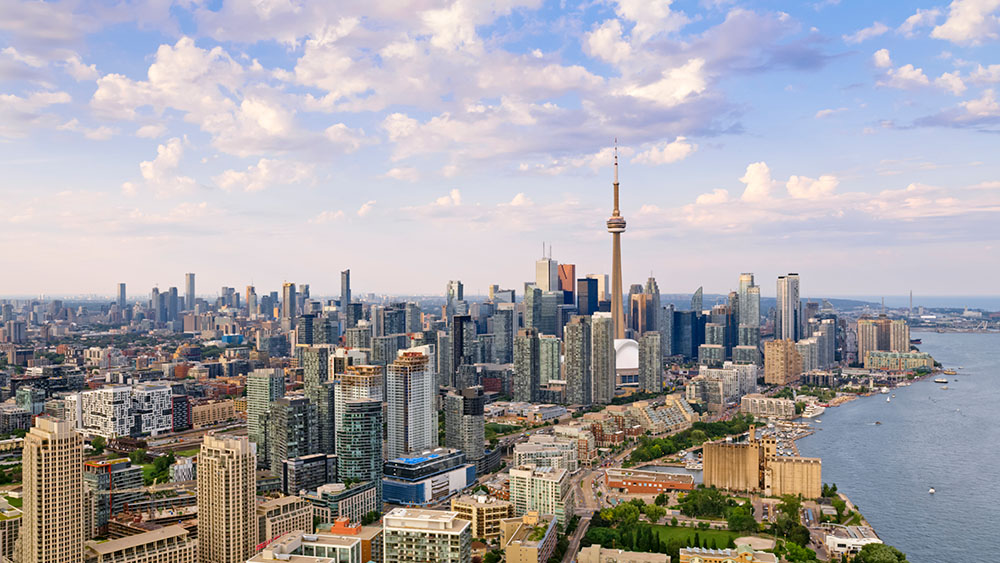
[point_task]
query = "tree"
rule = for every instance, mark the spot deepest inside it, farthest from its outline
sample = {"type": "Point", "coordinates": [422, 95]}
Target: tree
{"type": "Point", "coordinates": [880, 553]}
{"type": "Point", "coordinates": [662, 499]}
{"type": "Point", "coordinates": [673, 521]}
{"type": "Point", "coordinates": [797, 553]}
{"type": "Point", "coordinates": [138, 457]}
{"type": "Point", "coordinates": [654, 512]}
{"type": "Point", "coordinates": [790, 506]}
{"type": "Point", "coordinates": [840, 506]}
{"type": "Point", "coordinates": [741, 520]}
{"type": "Point", "coordinates": [829, 490]}
{"type": "Point", "coordinates": [98, 443]}
{"type": "Point", "coordinates": [370, 518]}
{"type": "Point", "coordinates": [493, 556]}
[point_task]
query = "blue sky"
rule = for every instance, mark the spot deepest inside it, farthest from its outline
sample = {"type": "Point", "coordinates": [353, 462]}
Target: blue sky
{"type": "Point", "coordinates": [417, 141]}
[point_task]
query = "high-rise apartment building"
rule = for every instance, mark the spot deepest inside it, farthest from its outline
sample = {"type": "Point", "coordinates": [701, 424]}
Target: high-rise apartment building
{"type": "Point", "coordinates": [357, 382]}
{"type": "Point", "coordinates": [264, 386]}
{"type": "Point", "coordinates": [189, 292]}
{"type": "Point", "coordinates": [899, 336]}
{"type": "Point", "coordinates": [102, 477]}
{"type": "Point", "coordinates": [52, 474]}
{"type": "Point", "coordinates": [549, 354]}
{"type": "Point", "coordinates": [252, 303]}
{"type": "Point", "coordinates": [782, 362]}
{"type": "Point", "coordinates": [359, 442]}
{"type": "Point", "coordinates": [527, 365]}
{"type": "Point", "coordinates": [122, 410]}
{"type": "Point", "coordinates": [464, 422]}
{"type": "Point", "coordinates": [227, 488]}
{"type": "Point", "coordinates": [650, 363]}
{"type": "Point", "coordinates": [504, 328]}
{"type": "Point", "coordinates": [602, 358]}
{"type": "Point", "coordinates": [788, 312]}
{"type": "Point", "coordinates": [426, 535]}
{"type": "Point", "coordinates": [121, 296]}
{"type": "Point", "coordinates": [292, 431]}
{"type": "Point", "coordinates": [546, 490]}
{"type": "Point", "coordinates": [411, 391]}
{"type": "Point", "coordinates": [533, 308]}
{"type": "Point", "coordinates": [579, 386]}
{"type": "Point", "coordinates": [345, 289]}
{"type": "Point", "coordinates": [320, 390]}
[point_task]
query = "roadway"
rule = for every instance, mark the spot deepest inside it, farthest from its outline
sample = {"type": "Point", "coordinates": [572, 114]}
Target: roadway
{"type": "Point", "coordinates": [574, 540]}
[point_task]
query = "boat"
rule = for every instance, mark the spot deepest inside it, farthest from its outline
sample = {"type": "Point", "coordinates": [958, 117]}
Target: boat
{"type": "Point", "coordinates": [931, 491]}
{"type": "Point", "coordinates": [887, 399]}
{"type": "Point", "coordinates": [941, 380]}
{"type": "Point", "coordinates": [878, 422]}
{"type": "Point", "coordinates": [893, 395]}
{"type": "Point", "coordinates": [884, 390]}
{"type": "Point", "coordinates": [944, 387]}
{"type": "Point", "coordinates": [813, 410]}
{"type": "Point", "coordinates": [950, 372]}
{"type": "Point", "coordinates": [916, 341]}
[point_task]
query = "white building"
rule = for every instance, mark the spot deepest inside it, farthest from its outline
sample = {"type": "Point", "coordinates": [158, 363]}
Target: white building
{"type": "Point", "coordinates": [122, 410]}
{"type": "Point", "coordinates": [426, 535]}
{"type": "Point", "coordinates": [548, 451]}
{"type": "Point", "coordinates": [848, 539]}
{"type": "Point", "coordinates": [412, 417]}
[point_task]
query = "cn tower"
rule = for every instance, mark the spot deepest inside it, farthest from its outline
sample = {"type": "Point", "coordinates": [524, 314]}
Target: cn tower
{"type": "Point", "coordinates": [616, 226]}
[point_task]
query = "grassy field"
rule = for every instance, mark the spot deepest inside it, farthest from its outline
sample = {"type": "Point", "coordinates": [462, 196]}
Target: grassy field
{"type": "Point", "coordinates": [721, 537]}
{"type": "Point", "coordinates": [191, 452]}
{"type": "Point", "coordinates": [15, 502]}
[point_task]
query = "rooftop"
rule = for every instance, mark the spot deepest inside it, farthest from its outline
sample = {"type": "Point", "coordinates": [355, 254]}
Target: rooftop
{"type": "Point", "coordinates": [120, 544]}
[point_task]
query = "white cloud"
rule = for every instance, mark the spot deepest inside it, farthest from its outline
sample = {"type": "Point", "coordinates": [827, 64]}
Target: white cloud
{"type": "Point", "coordinates": [905, 78]}
{"type": "Point", "coordinates": [876, 29]}
{"type": "Point", "coordinates": [952, 82]}
{"type": "Point", "coordinates": [327, 217]}
{"type": "Point", "coordinates": [520, 200]}
{"type": "Point", "coordinates": [406, 174]}
{"type": "Point", "coordinates": [151, 131]}
{"type": "Point", "coordinates": [651, 17]}
{"type": "Point", "coordinates": [986, 75]}
{"type": "Point", "coordinates": [160, 174]}
{"type": "Point", "coordinates": [665, 153]}
{"type": "Point", "coordinates": [674, 86]}
{"type": "Point", "coordinates": [802, 187]}
{"type": "Point", "coordinates": [758, 182]}
{"type": "Point", "coordinates": [366, 208]}
{"type": "Point", "coordinates": [100, 133]}
{"type": "Point", "coordinates": [607, 43]}
{"type": "Point", "coordinates": [714, 197]}
{"type": "Point", "coordinates": [970, 22]}
{"type": "Point", "coordinates": [922, 18]}
{"type": "Point", "coordinates": [882, 59]}
{"type": "Point", "coordinates": [986, 106]}
{"type": "Point", "coordinates": [828, 112]}
{"type": "Point", "coordinates": [80, 71]}
{"type": "Point", "coordinates": [453, 199]}
{"type": "Point", "coordinates": [265, 174]}
{"type": "Point", "coordinates": [19, 115]}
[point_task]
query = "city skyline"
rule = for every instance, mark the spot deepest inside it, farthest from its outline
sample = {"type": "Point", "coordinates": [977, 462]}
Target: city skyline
{"type": "Point", "coordinates": [844, 142]}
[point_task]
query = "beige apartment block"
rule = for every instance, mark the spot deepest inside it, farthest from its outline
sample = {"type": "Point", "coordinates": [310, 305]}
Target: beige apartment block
{"type": "Point", "coordinates": [227, 525]}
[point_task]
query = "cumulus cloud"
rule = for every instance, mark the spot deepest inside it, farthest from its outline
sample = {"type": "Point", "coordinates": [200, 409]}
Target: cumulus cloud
{"type": "Point", "coordinates": [674, 86]}
{"type": "Point", "coordinates": [802, 187]}
{"type": "Point", "coordinates": [80, 71]}
{"type": "Point", "coordinates": [985, 106]}
{"type": "Point", "coordinates": [366, 208]}
{"type": "Point", "coordinates": [151, 131]}
{"type": "Point", "coordinates": [876, 29]}
{"type": "Point", "coordinates": [666, 152]}
{"type": "Point", "coordinates": [952, 82]}
{"type": "Point", "coordinates": [407, 174]}
{"type": "Point", "coordinates": [100, 133]}
{"type": "Point", "coordinates": [882, 59]}
{"type": "Point", "coordinates": [265, 174]}
{"type": "Point", "coordinates": [160, 174]}
{"type": "Point", "coordinates": [19, 115]}
{"type": "Point", "coordinates": [922, 18]}
{"type": "Point", "coordinates": [970, 22]}
{"type": "Point", "coordinates": [985, 75]}
{"type": "Point", "coordinates": [715, 196]}
{"type": "Point", "coordinates": [905, 77]}
{"type": "Point", "coordinates": [758, 182]}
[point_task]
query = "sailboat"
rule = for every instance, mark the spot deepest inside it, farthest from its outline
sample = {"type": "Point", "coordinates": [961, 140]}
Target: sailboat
{"type": "Point", "coordinates": [888, 399]}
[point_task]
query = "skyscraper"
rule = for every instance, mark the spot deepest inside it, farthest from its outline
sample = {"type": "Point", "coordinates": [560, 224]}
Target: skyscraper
{"type": "Point", "coordinates": [788, 312]}
{"type": "Point", "coordinates": [549, 349]}
{"type": "Point", "coordinates": [357, 382]}
{"type": "Point", "coordinates": [650, 363]}
{"type": "Point", "coordinates": [697, 301]}
{"type": "Point", "coordinates": [52, 473]}
{"type": "Point", "coordinates": [263, 387]}
{"type": "Point", "coordinates": [189, 292]}
{"type": "Point", "coordinates": [532, 307]}
{"type": "Point", "coordinates": [546, 273]}
{"type": "Point", "coordinates": [567, 277]}
{"type": "Point", "coordinates": [454, 294]}
{"type": "Point", "coordinates": [173, 304]}
{"type": "Point", "coordinates": [503, 333]}
{"type": "Point", "coordinates": [121, 296]}
{"type": "Point", "coordinates": [463, 343]}
{"type": "Point", "coordinates": [227, 488]}
{"type": "Point", "coordinates": [602, 358]}
{"type": "Point", "coordinates": [411, 391]}
{"type": "Point", "coordinates": [579, 386]}
{"type": "Point", "coordinates": [359, 439]}
{"type": "Point", "coordinates": [319, 390]}
{"type": "Point", "coordinates": [527, 365]}
{"type": "Point", "coordinates": [292, 431]}
{"type": "Point", "coordinates": [288, 301]}
{"type": "Point", "coordinates": [345, 289]}
{"type": "Point", "coordinates": [251, 299]}
{"type": "Point", "coordinates": [464, 422]}
{"type": "Point", "coordinates": [586, 296]}
{"type": "Point", "coordinates": [616, 226]}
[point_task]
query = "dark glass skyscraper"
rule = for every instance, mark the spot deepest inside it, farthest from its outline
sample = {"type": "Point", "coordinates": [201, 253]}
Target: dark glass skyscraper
{"type": "Point", "coordinates": [586, 296]}
{"type": "Point", "coordinates": [359, 442]}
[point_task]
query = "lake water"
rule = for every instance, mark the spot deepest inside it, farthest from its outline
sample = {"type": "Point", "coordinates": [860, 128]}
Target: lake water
{"type": "Point", "coordinates": [946, 439]}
